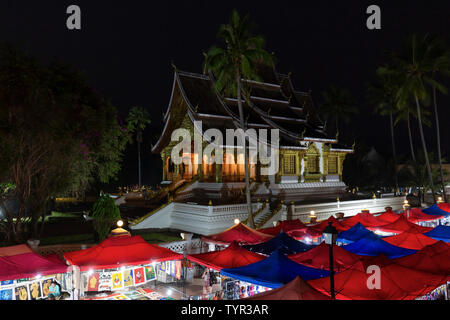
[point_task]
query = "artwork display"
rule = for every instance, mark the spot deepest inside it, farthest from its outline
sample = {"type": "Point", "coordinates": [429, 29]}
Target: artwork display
{"type": "Point", "coordinates": [105, 281]}
{"type": "Point", "coordinates": [6, 294]}
{"type": "Point", "coordinates": [34, 289]}
{"type": "Point", "coordinates": [128, 278]}
{"type": "Point", "coordinates": [139, 276]}
{"type": "Point", "coordinates": [21, 292]}
{"type": "Point", "coordinates": [117, 282]}
{"type": "Point", "coordinates": [93, 281]}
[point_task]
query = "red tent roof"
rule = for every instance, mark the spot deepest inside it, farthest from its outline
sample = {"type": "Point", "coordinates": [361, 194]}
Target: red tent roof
{"type": "Point", "coordinates": [417, 215]}
{"type": "Point", "coordinates": [115, 252]}
{"type": "Point", "coordinates": [286, 226]}
{"type": "Point", "coordinates": [401, 225]}
{"type": "Point", "coordinates": [397, 283]}
{"type": "Point", "coordinates": [27, 264]}
{"type": "Point", "coordinates": [305, 233]}
{"type": "Point", "coordinates": [444, 206]}
{"type": "Point", "coordinates": [415, 241]}
{"type": "Point", "coordinates": [437, 248]}
{"type": "Point", "coordinates": [434, 259]}
{"type": "Point", "coordinates": [335, 222]}
{"type": "Point", "coordinates": [297, 289]}
{"type": "Point", "coordinates": [233, 256]}
{"type": "Point", "coordinates": [388, 217]}
{"type": "Point", "coordinates": [240, 233]}
{"type": "Point", "coordinates": [318, 257]}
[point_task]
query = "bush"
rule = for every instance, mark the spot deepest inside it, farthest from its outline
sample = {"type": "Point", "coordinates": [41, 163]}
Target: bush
{"type": "Point", "coordinates": [104, 213]}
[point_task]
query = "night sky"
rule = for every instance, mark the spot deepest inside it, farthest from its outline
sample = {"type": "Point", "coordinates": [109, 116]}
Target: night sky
{"type": "Point", "coordinates": [126, 48]}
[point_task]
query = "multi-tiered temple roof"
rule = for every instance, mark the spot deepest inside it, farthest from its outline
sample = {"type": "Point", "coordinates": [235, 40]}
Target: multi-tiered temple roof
{"type": "Point", "coordinates": [274, 104]}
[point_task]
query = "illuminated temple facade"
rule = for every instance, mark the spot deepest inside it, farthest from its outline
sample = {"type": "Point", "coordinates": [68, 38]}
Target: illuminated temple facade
{"type": "Point", "coordinates": [307, 156]}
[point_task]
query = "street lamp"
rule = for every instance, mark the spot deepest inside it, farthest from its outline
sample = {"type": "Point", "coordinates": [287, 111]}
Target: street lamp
{"type": "Point", "coordinates": [440, 200]}
{"type": "Point", "coordinates": [313, 217]}
{"type": "Point", "coordinates": [330, 234]}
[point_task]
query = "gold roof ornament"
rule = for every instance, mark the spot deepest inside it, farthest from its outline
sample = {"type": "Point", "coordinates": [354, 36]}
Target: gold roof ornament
{"type": "Point", "coordinates": [173, 66]}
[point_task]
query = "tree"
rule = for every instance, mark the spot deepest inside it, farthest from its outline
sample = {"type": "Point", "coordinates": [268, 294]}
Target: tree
{"type": "Point", "coordinates": [137, 120]}
{"type": "Point", "coordinates": [440, 60]}
{"type": "Point", "coordinates": [57, 137]}
{"type": "Point", "coordinates": [236, 60]}
{"type": "Point", "coordinates": [414, 67]}
{"type": "Point", "coordinates": [337, 106]}
{"type": "Point", "coordinates": [383, 96]}
{"type": "Point", "coordinates": [105, 213]}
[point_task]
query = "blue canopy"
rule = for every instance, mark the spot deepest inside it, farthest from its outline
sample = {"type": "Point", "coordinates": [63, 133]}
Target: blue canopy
{"type": "Point", "coordinates": [274, 271]}
{"type": "Point", "coordinates": [435, 211]}
{"type": "Point", "coordinates": [355, 233]}
{"type": "Point", "coordinates": [439, 233]}
{"type": "Point", "coordinates": [373, 246]}
{"type": "Point", "coordinates": [282, 242]}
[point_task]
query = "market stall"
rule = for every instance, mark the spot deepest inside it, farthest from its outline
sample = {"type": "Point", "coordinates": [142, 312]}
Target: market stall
{"type": "Point", "coordinates": [281, 242]}
{"type": "Point", "coordinates": [273, 272]}
{"type": "Point", "coordinates": [433, 259]}
{"type": "Point", "coordinates": [373, 246]}
{"type": "Point", "coordinates": [355, 233]}
{"type": "Point", "coordinates": [240, 233]}
{"type": "Point", "coordinates": [297, 289]}
{"type": "Point", "coordinates": [26, 275]}
{"type": "Point", "coordinates": [121, 263]}
{"type": "Point", "coordinates": [285, 226]}
{"type": "Point", "coordinates": [233, 256]}
{"type": "Point", "coordinates": [402, 224]}
{"type": "Point", "coordinates": [396, 283]}
{"type": "Point", "coordinates": [415, 241]}
{"type": "Point", "coordinates": [319, 258]}
{"type": "Point", "coordinates": [439, 233]}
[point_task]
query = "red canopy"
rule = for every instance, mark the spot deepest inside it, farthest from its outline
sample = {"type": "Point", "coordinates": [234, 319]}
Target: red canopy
{"type": "Point", "coordinates": [401, 225]}
{"type": "Point", "coordinates": [120, 251]}
{"type": "Point", "coordinates": [415, 241]}
{"type": "Point", "coordinates": [444, 206]}
{"type": "Point", "coordinates": [297, 289]}
{"type": "Point", "coordinates": [318, 257]}
{"type": "Point", "coordinates": [434, 259]}
{"type": "Point", "coordinates": [27, 264]}
{"type": "Point", "coordinates": [397, 283]}
{"type": "Point", "coordinates": [286, 226]}
{"type": "Point", "coordinates": [417, 215]}
{"type": "Point", "coordinates": [388, 217]}
{"type": "Point", "coordinates": [335, 222]}
{"type": "Point", "coordinates": [305, 233]}
{"type": "Point", "coordinates": [240, 233]}
{"type": "Point", "coordinates": [233, 256]}
{"type": "Point", "coordinates": [437, 248]}
{"type": "Point", "coordinates": [365, 218]}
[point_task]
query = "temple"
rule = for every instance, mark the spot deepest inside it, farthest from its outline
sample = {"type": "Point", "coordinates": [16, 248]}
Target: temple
{"type": "Point", "coordinates": [310, 162]}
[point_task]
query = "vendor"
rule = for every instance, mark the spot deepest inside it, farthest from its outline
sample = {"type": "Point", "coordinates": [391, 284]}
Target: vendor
{"type": "Point", "coordinates": [54, 291]}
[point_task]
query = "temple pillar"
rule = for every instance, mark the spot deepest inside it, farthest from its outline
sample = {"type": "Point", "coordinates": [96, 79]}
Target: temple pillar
{"type": "Point", "coordinates": [218, 173]}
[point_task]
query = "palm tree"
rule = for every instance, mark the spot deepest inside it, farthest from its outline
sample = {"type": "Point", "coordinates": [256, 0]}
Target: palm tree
{"type": "Point", "coordinates": [440, 59]}
{"type": "Point", "coordinates": [404, 113]}
{"type": "Point", "coordinates": [236, 60]}
{"type": "Point", "coordinates": [137, 120]}
{"type": "Point", "coordinates": [382, 95]}
{"type": "Point", "coordinates": [338, 105]}
{"type": "Point", "coordinates": [415, 69]}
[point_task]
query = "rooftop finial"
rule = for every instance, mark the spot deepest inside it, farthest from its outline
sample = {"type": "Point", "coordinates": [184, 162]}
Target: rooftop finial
{"type": "Point", "coordinates": [173, 66]}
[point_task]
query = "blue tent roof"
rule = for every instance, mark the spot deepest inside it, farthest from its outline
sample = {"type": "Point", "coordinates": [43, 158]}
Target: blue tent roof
{"type": "Point", "coordinates": [439, 233]}
{"type": "Point", "coordinates": [355, 233]}
{"type": "Point", "coordinates": [373, 246]}
{"type": "Point", "coordinates": [274, 271]}
{"type": "Point", "coordinates": [282, 242]}
{"type": "Point", "coordinates": [435, 211]}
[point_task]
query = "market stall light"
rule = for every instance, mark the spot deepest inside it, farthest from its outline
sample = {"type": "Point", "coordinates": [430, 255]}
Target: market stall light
{"type": "Point", "coordinates": [312, 214]}
{"type": "Point", "coordinates": [120, 223]}
{"type": "Point", "coordinates": [38, 276]}
{"type": "Point", "coordinates": [169, 292]}
{"type": "Point", "coordinates": [90, 272]}
{"type": "Point", "coordinates": [237, 221]}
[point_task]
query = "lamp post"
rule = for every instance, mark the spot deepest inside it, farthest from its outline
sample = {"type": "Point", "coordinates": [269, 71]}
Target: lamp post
{"type": "Point", "coordinates": [330, 234]}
